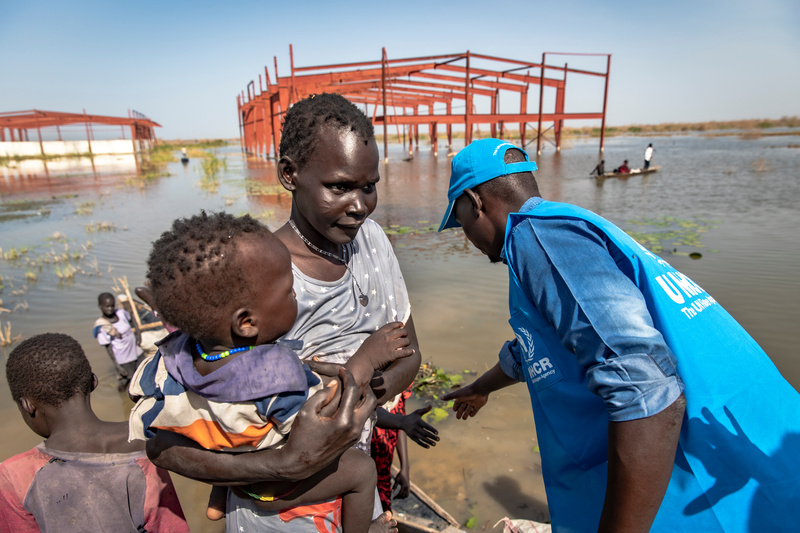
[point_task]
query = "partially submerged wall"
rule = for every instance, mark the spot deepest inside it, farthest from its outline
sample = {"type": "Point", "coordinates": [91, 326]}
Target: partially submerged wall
{"type": "Point", "coordinates": [71, 148]}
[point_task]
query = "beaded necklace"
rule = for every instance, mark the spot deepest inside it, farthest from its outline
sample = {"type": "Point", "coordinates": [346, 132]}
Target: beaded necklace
{"type": "Point", "coordinates": [222, 355]}
{"type": "Point", "coordinates": [363, 299]}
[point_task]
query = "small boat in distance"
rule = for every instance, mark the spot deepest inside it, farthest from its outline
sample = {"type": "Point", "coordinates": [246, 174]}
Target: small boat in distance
{"type": "Point", "coordinates": [633, 172]}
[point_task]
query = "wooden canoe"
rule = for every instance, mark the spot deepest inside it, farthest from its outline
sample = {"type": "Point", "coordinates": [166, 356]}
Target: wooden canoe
{"type": "Point", "coordinates": [633, 172]}
{"type": "Point", "coordinates": [419, 513]}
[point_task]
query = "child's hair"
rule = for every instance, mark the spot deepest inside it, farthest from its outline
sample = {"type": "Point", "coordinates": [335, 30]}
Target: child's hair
{"type": "Point", "coordinates": [302, 122]}
{"type": "Point", "coordinates": [50, 368]}
{"type": "Point", "coordinates": [194, 270]}
{"type": "Point", "coordinates": [105, 296]}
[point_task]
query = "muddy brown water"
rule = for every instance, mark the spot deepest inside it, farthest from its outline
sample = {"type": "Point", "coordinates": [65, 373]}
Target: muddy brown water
{"type": "Point", "coordinates": [745, 191]}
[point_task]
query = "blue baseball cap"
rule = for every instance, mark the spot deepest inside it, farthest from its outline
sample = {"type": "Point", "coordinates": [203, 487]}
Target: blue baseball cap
{"type": "Point", "coordinates": [478, 163]}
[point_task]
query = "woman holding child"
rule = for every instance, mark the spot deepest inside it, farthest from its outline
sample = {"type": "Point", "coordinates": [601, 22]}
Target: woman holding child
{"type": "Point", "coordinates": [346, 278]}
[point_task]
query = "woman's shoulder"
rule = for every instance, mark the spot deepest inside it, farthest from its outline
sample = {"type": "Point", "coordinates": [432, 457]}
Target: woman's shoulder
{"type": "Point", "coordinates": [372, 234]}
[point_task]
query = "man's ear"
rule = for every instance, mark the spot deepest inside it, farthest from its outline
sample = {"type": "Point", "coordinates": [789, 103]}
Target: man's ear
{"type": "Point", "coordinates": [95, 382]}
{"type": "Point", "coordinates": [243, 323]}
{"type": "Point", "coordinates": [287, 173]}
{"type": "Point", "coordinates": [27, 406]}
{"type": "Point", "coordinates": [475, 200]}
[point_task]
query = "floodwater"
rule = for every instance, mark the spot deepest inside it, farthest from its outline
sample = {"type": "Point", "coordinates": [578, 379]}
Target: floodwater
{"type": "Point", "coordinates": [743, 191]}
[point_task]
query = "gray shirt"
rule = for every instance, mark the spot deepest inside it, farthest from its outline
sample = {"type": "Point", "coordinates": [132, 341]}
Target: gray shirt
{"type": "Point", "coordinates": [331, 322]}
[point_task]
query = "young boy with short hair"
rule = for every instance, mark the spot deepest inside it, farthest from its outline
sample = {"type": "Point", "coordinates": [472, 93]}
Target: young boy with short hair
{"type": "Point", "coordinates": [226, 283]}
{"type": "Point", "coordinates": [85, 476]}
{"type": "Point", "coordinates": [113, 330]}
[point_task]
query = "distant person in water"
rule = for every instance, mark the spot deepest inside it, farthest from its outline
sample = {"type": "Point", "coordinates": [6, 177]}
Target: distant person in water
{"type": "Point", "coordinates": [113, 330]}
{"type": "Point", "coordinates": [600, 169]}
{"type": "Point", "coordinates": [623, 168]}
{"type": "Point", "coordinates": [648, 156]}
{"type": "Point", "coordinates": [85, 476]}
{"type": "Point", "coordinates": [654, 409]}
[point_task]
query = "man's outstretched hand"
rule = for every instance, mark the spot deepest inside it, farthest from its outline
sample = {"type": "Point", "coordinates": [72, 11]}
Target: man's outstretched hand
{"type": "Point", "coordinates": [467, 401]}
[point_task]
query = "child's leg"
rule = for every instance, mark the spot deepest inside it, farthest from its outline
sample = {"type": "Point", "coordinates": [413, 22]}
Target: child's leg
{"type": "Point", "coordinates": [354, 477]}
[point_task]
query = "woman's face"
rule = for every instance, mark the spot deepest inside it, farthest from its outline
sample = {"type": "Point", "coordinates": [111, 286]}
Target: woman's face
{"type": "Point", "coordinates": [334, 191]}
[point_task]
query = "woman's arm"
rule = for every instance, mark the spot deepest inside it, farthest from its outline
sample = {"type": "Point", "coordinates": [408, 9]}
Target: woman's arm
{"type": "Point", "coordinates": [321, 432]}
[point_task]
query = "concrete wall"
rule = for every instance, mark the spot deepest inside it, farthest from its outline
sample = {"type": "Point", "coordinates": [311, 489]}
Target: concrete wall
{"type": "Point", "coordinates": [29, 149]}
{"type": "Point", "coordinates": [106, 164]}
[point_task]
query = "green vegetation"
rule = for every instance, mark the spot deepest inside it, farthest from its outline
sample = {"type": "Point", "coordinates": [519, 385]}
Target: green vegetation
{"type": "Point", "coordinates": [85, 208]}
{"type": "Point", "coordinates": [5, 160]}
{"type": "Point", "coordinates": [667, 234]}
{"type": "Point", "coordinates": [5, 335]}
{"type": "Point", "coordinates": [177, 144]}
{"type": "Point", "coordinates": [258, 188]}
{"type": "Point", "coordinates": [96, 227]}
{"type": "Point", "coordinates": [212, 165]}
{"type": "Point", "coordinates": [753, 127]}
{"type": "Point", "coordinates": [423, 226]}
{"type": "Point", "coordinates": [431, 384]}
{"type": "Point", "coordinates": [26, 208]}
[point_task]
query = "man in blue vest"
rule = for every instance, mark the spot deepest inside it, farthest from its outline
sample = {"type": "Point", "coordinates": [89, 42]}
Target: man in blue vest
{"type": "Point", "coordinates": [654, 409]}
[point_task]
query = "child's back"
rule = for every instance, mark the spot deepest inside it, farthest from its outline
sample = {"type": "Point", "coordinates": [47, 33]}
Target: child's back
{"type": "Point", "coordinates": [85, 476]}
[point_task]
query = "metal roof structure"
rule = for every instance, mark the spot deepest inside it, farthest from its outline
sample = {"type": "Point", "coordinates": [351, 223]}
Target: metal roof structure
{"type": "Point", "coordinates": [19, 123]}
{"type": "Point", "coordinates": [433, 91]}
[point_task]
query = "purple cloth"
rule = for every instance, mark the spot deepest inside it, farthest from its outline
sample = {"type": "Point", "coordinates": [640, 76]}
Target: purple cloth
{"type": "Point", "coordinates": [263, 371]}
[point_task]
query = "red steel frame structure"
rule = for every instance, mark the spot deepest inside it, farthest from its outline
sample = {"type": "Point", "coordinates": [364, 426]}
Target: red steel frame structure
{"type": "Point", "coordinates": [142, 128]}
{"type": "Point", "coordinates": [400, 89]}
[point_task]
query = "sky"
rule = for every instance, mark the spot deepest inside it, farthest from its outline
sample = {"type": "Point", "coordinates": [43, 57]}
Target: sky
{"type": "Point", "coordinates": [183, 63]}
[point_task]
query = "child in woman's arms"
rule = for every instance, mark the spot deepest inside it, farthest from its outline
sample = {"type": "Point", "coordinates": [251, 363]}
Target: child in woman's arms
{"type": "Point", "coordinates": [226, 283]}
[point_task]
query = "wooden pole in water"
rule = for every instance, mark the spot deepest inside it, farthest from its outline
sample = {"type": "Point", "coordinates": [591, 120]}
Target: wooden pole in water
{"type": "Point", "coordinates": [134, 311]}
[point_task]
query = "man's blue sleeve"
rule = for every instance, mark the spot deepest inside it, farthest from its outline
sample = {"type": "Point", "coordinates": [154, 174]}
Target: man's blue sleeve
{"type": "Point", "coordinates": [510, 360]}
{"type": "Point", "coordinates": [569, 274]}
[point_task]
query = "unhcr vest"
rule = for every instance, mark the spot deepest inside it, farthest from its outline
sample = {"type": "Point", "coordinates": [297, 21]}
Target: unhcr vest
{"type": "Point", "coordinates": [737, 467]}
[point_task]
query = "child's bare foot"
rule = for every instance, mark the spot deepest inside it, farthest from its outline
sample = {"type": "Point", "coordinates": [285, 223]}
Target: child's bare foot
{"type": "Point", "coordinates": [384, 524]}
{"type": "Point", "coordinates": [217, 501]}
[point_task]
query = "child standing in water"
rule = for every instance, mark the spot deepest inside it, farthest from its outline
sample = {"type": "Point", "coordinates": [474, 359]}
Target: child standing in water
{"type": "Point", "coordinates": [85, 476]}
{"type": "Point", "coordinates": [113, 331]}
{"type": "Point", "coordinates": [221, 380]}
